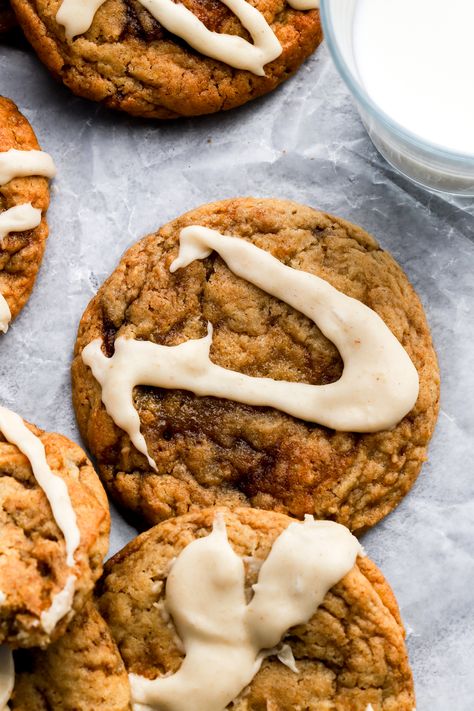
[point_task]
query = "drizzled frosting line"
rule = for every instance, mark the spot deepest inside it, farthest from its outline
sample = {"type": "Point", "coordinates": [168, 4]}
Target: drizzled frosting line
{"type": "Point", "coordinates": [19, 218]}
{"type": "Point", "coordinates": [17, 433]}
{"type": "Point", "coordinates": [25, 164]}
{"type": "Point", "coordinates": [20, 164]}
{"type": "Point", "coordinates": [5, 314]}
{"type": "Point", "coordinates": [304, 4]}
{"type": "Point", "coordinates": [77, 16]}
{"type": "Point", "coordinates": [378, 387]}
{"type": "Point", "coordinates": [225, 637]}
{"type": "Point", "coordinates": [15, 219]}
{"type": "Point", "coordinates": [60, 605]}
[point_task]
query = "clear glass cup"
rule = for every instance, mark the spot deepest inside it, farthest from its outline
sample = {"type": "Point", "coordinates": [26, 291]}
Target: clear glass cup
{"type": "Point", "coordinates": [424, 163]}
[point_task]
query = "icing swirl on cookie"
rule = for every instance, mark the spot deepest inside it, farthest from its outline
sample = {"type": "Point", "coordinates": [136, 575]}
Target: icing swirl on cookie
{"type": "Point", "coordinates": [77, 15]}
{"type": "Point", "coordinates": [17, 433]}
{"type": "Point", "coordinates": [225, 637]}
{"type": "Point", "coordinates": [25, 164]}
{"type": "Point", "coordinates": [378, 387]}
{"type": "Point", "coordinates": [20, 164]}
{"type": "Point", "coordinates": [5, 314]}
{"type": "Point", "coordinates": [19, 219]}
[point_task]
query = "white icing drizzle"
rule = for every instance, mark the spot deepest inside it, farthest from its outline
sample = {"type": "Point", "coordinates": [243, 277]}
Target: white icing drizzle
{"type": "Point", "coordinates": [16, 432]}
{"type": "Point", "coordinates": [5, 314]}
{"type": "Point", "coordinates": [76, 16]}
{"type": "Point", "coordinates": [19, 218]}
{"type": "Point", "coordinates": [378, 387]}
{"type": "Point", "coordinates": [7, 676]}
{"type": "Point", "coordinates": [286, 657]}
{"type": "Point", "coordinates": [224, 637]}
{"type": "Point", "coordinates": [304, 4]}
{"type": "Point", "coordinates": [24, 164]}
{"type": "Point", "coordinates": [16, 219]}
{"type": "Point", "coordinates": [60, 606]}
{"type": "Point", "coordinates": [20, 164]}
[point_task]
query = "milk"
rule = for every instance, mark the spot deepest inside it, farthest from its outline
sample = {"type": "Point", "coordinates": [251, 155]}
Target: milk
{"type": "Point", "coordinates": [415, 59]}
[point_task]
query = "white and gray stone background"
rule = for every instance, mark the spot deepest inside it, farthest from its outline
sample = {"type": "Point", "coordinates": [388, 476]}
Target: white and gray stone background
{"type": "Point", "coordinates": [119, 179]}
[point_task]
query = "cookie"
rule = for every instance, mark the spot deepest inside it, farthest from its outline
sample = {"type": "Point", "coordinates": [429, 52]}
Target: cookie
{"type": "Point", "coordinates": [50, 495]}
{"type": "Point", "coordinates": [212, 451]}
{"type": "Point", "coordinates": [79, 672]}
{"type": "Point", "coordinates": [7, 18]}
{"type": "Point", "coordinates": [22, 248]}
{"type": "Point", "coordinates": [350, 654]}
{"type": "Point", "coordinates": [128, 60]}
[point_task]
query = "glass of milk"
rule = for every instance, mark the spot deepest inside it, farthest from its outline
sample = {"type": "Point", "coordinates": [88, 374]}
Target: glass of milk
{"type": "Point", "coordinates": [410, 67]}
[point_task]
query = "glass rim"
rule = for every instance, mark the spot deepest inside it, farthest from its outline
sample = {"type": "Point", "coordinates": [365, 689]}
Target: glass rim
{"type": "Point", "coordinates": [358, 91]}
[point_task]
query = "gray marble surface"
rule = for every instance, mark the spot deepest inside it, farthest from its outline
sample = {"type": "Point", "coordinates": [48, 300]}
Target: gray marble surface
{"type": "Point", "coordinates": [119, 179]}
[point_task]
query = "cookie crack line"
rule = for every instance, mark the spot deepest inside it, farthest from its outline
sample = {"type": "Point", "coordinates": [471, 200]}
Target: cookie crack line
{"type": "Point", "coordinates": [77, 16]}
{"type": "Point", "coordinates": [378, 387]}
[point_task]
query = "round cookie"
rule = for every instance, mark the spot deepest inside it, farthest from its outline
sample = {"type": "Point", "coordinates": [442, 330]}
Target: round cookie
{"type": "Point", "coordinates": [79, 672]}
{"type": "Point", "coordinates": [350, 654]}
{"type": "Point", "coordinates": [7, 18]}
{"type": "Point", "coordinates": [20, 252]}
{"type": "Point", "coordinates": [128, 61]}
{"type": "Point", "coordinates": [33, 565]}
{"type": "Point", "coordinates": [210, 451]}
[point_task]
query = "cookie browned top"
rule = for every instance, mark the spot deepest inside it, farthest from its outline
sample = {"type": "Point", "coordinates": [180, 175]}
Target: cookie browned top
{"type": "Point", "coordinates": [33, 564]}
{"type": "Point", "coordinates": [20, 252]}
{"type": "Point", "coordinates": [82, 671]}
{"type": "Point", "coordinates": [210, 451]}
{"type": "Point", "coordinates": [7, 18]}
{"type": "Point", "coordinates": [350, 654]}
{"type": "Point", "coordinates": [130, 62]}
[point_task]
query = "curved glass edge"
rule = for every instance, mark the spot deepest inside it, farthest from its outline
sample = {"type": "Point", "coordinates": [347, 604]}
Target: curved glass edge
{"type": "Point", "coordinates": [431, 149]}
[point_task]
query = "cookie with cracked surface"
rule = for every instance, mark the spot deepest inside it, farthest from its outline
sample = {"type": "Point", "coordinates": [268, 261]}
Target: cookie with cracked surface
{"type": "Point", "coordinates": [33, 560]}
{"type": "Point", "coordinates": [210, 451]}
{"type": "Point", "coordinates": [350, 654]}
{"type": "Point", "coordinates": [20, 252]}
{"type": "Point", "coordinates": [7, 18]}
{"type": "Point", "coordinates": [82, 671]}
{"type": "Point", "coordinates": [127, 60]}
